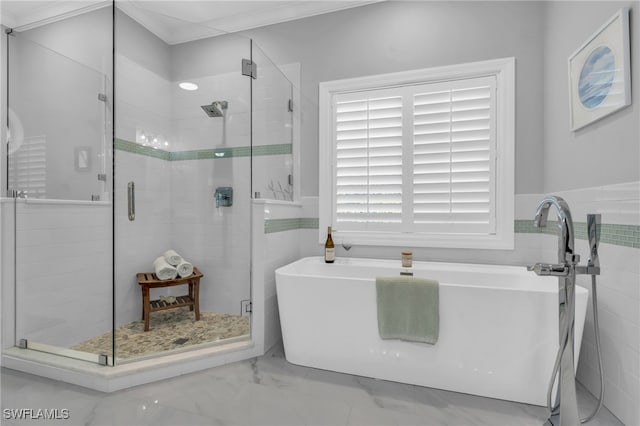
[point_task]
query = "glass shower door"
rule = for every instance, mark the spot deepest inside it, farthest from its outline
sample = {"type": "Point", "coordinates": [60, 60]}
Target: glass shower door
{"type": "Point", "coordinates": [182, 160]}
{"type": "Point", "coordinates": [272, 131]}
{"type": "Point", "coordinates": [58, 161]}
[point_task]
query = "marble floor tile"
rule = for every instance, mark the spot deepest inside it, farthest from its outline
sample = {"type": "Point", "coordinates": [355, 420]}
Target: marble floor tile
{"type": "Point", "coordinates": [269, 391]}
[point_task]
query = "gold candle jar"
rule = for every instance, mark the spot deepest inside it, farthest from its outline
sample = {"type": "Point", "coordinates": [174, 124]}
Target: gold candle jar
{"type": "Point", "coordinates": [407, 259]}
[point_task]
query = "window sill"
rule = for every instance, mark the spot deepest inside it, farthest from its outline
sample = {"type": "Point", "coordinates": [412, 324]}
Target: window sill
{"type": "Point", "coordinates": [393, 239]}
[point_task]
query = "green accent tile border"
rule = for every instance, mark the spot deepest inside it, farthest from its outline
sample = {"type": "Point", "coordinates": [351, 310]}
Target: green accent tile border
{"type": "Point", "coordinates": [279, 149]}
{"type": "Point", "coordinates": [281, 225]}
{"type": "Point", "coordinates": [203, 154]}
{"type": "Point", "coordinates": [122, 145]}
{"type": "Point", "coordinates": [211, 154]}
{"type": "Point", "coordinates": [620, 235]}
{"type": "Point", "coordinates": [309, 223]}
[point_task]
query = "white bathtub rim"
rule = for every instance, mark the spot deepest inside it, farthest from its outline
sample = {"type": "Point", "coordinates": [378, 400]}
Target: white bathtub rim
{"type": "Point", "coordinates": [293, 269]}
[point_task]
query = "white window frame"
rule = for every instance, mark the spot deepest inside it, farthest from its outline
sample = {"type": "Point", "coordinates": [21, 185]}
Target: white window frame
{"type": "Point", "coordinates": [503, 238]}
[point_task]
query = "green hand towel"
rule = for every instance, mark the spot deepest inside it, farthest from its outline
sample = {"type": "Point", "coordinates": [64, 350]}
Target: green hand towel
{"type": "Point", "coordinates": [408, 309]}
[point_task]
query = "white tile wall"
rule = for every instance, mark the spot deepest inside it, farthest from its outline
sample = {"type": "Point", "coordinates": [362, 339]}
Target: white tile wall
{"type": "Point", "coordinates": [271, 251]}
{"type": "Point", "coordinates": [217, 240]}
{"type": "Point", "coordinates": [140, 241]}
{"type": "Point", "coordinates": [140, 106]}
{"type": "Point", "coordinates": [175, 209]}
{"type": "Point", "coordinates": [271, 176]}
{"type": "Point", "coordinates": [63, 267]}
{"type": "Point", "coordinates": [618, 291]}
{"type": "Point", "coordinates": [7, 257]}
{"type": "Point", "coordinates": [193, 129]}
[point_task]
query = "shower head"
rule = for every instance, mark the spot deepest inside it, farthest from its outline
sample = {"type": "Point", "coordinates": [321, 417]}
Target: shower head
{"type": "Point", "coordinates": [216, 108]}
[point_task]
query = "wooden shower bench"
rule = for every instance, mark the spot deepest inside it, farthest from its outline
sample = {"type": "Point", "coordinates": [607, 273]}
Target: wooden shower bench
{"type": "Point", "coordinates": [149, 280]}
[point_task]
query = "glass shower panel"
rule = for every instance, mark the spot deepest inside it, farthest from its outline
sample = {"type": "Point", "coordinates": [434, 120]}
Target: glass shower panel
{"type": "Point", "coordinates": [184, 155]}
{"type": "Point", "coordinates": [58, 116]}
{"type": "Point", "coordinates": [59, 120]}
{"type": "Point", "coordinates": [272, 130]}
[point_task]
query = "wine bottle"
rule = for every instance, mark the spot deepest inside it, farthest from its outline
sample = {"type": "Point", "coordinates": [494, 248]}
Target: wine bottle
{"type": "Point", "coordinates": [329, 248]}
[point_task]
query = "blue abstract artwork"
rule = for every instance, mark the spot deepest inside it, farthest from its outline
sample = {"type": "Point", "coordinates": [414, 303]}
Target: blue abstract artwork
{"type": "Point", "coordinates": [596, 77]}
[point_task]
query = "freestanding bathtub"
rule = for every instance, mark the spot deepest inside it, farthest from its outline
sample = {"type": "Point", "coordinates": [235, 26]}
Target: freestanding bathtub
{"type": "Point", "coordinates": [498, 326]}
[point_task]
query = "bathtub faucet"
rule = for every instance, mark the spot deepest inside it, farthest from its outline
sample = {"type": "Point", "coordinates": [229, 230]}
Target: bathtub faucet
{"type": "Point", "coordinates": [566, 236]}
{"type": "Point", "coordinates": [564, 411]}
{"type": "Point", "coordinates": [567, 259]}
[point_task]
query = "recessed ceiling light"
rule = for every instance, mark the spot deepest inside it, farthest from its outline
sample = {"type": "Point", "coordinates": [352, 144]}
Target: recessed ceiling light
{"type": "Point", "coordinates": [187, 85]}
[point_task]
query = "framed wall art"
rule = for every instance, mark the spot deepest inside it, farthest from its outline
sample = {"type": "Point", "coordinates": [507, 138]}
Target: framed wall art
{"type": "Point", "coordinates": [599, 74]}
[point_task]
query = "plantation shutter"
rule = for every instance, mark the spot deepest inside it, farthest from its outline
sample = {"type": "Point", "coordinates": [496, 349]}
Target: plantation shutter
{"type": "Point", "coordinates": [368, 160]}
{"type": "Point", "coordinates": [454, 156]}
{"type": "Point", "coordinates": [27, 167]}
{"type": "Point", "coordinates": [446, 133]}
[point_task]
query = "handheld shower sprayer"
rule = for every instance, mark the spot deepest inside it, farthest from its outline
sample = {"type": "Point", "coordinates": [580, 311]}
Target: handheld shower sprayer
{"type": "Point", "coordinates": [593, 233]}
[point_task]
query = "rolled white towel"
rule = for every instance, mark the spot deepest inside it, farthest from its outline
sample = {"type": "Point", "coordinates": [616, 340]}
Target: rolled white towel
{"type": "Point", "coordinates": [172, 257]}
{"type": "Point", "coordinates": [163, 270]}
{"type": "Point", "coordinates": [167, 299]}
{"type": "Point", "coordinates": [184, 268]}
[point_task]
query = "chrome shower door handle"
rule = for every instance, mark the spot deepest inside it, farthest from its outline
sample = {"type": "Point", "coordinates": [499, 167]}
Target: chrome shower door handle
{"type": "Point", "coordinates": [131, 200]}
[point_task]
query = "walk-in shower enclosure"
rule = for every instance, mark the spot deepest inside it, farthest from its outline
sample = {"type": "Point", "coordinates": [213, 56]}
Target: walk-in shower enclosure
{"type": "Point", "coordinates": [109, 163]}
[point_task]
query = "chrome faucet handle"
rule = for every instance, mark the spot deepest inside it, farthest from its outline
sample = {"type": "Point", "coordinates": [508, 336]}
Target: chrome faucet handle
{"type": "Point", "coordinates": [548, 269]}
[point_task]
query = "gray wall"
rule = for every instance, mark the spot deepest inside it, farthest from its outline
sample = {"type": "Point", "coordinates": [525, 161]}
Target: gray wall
{"type": "Point", "coordinates": [402, 35]}
{"type": "Point", "coordinates": [141, 46]}
{"type": "Point", "coordinates": [607, 151]}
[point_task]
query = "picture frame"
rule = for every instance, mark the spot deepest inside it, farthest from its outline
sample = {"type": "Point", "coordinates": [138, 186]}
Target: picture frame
{"type": "Point", "coordinates": [599, 73]}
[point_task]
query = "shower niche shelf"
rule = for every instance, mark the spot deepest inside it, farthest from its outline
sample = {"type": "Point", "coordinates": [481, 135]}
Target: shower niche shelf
{"type": "Point", "coordinates": [149, 280]}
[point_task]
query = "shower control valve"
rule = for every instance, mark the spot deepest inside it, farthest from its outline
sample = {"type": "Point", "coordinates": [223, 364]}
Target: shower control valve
{"type": "Point", "coordinates": [224, 196]}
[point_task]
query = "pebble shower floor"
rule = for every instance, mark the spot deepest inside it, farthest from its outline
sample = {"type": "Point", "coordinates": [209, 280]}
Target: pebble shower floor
{"type": "Point", "coordinates": [170, 330]}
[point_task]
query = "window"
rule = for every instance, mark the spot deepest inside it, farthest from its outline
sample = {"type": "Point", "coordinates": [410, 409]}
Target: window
{"type": "Point", "coordinates": [27, 167]}
{"type": "Point", "coordinates": [420, 158]}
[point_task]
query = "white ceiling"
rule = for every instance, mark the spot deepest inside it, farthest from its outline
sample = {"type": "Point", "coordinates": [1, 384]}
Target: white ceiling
{"type": "Point", "coordinates": [177, 21]}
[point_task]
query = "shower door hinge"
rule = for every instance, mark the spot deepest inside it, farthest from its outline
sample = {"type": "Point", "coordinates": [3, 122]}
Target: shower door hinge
{"type": "Point", "coordinates": [103, 359]}
{"type": "Point", "coordinates": [102, 177]}
{"type": "Point", "coordinates": [246, 307]}
{"type": "Point", "coordinates": [249, 68]}
{"type": "Point", "coordinates": [290, 106]}
{"type": "Point", "coordinates": [15, 193]}
{"type": "Point", "coordinates": [22, 343]}
{"type": "Point", "coordinates": [102, 97]}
